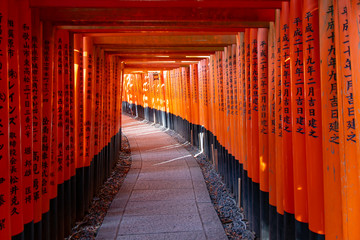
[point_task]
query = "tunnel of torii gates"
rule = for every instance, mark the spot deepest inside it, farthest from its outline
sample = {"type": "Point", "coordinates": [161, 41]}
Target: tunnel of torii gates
{"type": "Point", "coordinates": [266, 89]}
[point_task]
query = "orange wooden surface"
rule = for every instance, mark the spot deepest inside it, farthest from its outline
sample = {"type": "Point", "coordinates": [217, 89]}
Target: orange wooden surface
{"type": "Point", "coordinates": [313, 116]}
{"type": "Point", "coordinates": [233, 129]}
{"type": "Point", "coordinates": [298, 111]}
{"type": "Point", "coordinates": [53, 173]}
{"type": "Point", "coordinates": [242, 98]}
{"type": "Point", "coordinates": [278, 120]}
{"type": "Point", "coordinates": [72, 105]}
{"type": "Point", "coordinates": [330, 123]}
{"type": "Point", "coordinates": [5, 230]}
{"type": "Point", "coordinates": [25, 58]}
{"type": "Point", "coordinates": [59, 104]}
{"type": "Point", "coordinates": [235, 104]}
{"type": "Point", "coordinates": [271, 121]}
{"type": "Point", "coordinates": [238, 87]}
{"type": "Point", "coordinates": [254, 96]}
{"type": "Point", "coordinates": [67, 123]}
{"type": "Point", "coordinates": [227, 96]}
{"type": "Point", "coordinates": [248, 163]}
{"type": "Point", "coordinates": [263, 108]}
{"type": "Point", "coordinates": [78, 99]}
{"type": "Point", "coordinates": [194, 93]}
{"type": "Point", "coordinates": [16, 187]}
{"type": "Point", "coordinates": [287, 157]}
{"type": "Point", "coordinates": [88, 73]}
{"type": "Point", "coordinates": [354, 42]}
{"type": "Point", "coordinates": [216, 94]}
{"type": "Point", "coordinates": [221, 98]}
{"type": "Point", "coordinates": [46, 121]}
{"type": "Point", "coordinates": [97, 103]}
{"type": "Point", "coordinates": [102, 99]}
{"type": "Point", "coordinates": [36, 75]}
{"type": "Point", "coordinates": [207, 93]}
{"type": "Point", "coordinates": [347, 124]}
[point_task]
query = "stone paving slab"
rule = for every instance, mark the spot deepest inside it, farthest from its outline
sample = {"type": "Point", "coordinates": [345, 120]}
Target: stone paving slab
{"type": "Point", "coordinates": [194, 235]}
{"type": "Point", "coordinates": [148, 208]}
{"type": "Point", "coordinates": [164, 195]}
{"type": "Point", "coordinates": [163, 184]}
{"type": "Point", "coordinates": [160, 223]}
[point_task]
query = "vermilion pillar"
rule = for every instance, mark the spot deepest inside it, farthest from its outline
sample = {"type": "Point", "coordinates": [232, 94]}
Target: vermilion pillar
{"type": "Point", "coordinates": [78, 84]}
{"type": "Point", "coordinates": [248, 157]}
{"type": "Point", "coordinates": [330, 122]}
{"type": "Point", "coordinates": [287, 129]}
{"type": "Point", "coordinates": [271, 131]}
{"type": "Point", "coordinates": [235, 105]}
{"type": "Point", "coordinates": [298, 119]}
{"type": "Point", "coordinates": [25, 58]}
{"type": "Point", "coordinates": [348, 130]}
{"type": "Point", "coordinates": [313, 129]}
{"type": "Point", "coordinates": [16, 156]}
{"type": "Point", "coordinates": [254, 96]}
{"type": "Point", "coordinates": [36, 73]}
{"type": "Point", "coordinates": [263, 113]}
{"type": "Point", "coordinates": [5, 231]}
{"type": "Point", "coordinates": [278, 131]}
{"type": "Point", "coordinates": [242, 97]}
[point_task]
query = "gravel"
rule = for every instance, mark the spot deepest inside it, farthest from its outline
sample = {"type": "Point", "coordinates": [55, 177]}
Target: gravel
{"type": "Point", "coordinates": [89, 226]}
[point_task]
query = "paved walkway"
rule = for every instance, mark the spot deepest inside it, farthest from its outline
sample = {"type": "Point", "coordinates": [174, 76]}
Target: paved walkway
{"type": "Point", "coordinates": [164, 195]}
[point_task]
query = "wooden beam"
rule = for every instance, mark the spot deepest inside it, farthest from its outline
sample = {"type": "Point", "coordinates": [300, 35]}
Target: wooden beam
{"type": "Point", "coordinates": [160, 50]}
{"type": "Point", "coordinates": [138, 70]}
{"type": "Point", "coordinates": [166, 41]}
{"type": "Point", "coordinates": [135, 60]}
{"type": "Point", "coordinates": [158, 3]}
{"type": "Point", "coordinates": [156, 65]}
{"type": "Point", "coordinates": [111, 16]}
{"type": "Point", "coordinates": [170, 24]}
{"type": "Point", "coordinates": [157, 55]}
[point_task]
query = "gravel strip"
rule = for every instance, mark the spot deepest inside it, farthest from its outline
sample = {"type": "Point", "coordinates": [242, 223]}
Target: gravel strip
{"type": "Point", "coordinates": [88, 227]}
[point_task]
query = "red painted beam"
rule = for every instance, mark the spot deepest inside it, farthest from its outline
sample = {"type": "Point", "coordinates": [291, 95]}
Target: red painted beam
{"type": "Point", "coordinates": [158, 3]}
{"type": "Point", "coordinates": [154, 55]}
{"type": "Point", "coordinates": [156, 65]}
{"type": "Point", "coordinates": [165, 41]}
{"type": "Point", "coordinates": [114, 16]}
{"type": "Point", "coordinates": [148, 59]}
{"type": "Point", "coordinates": [186, 50]}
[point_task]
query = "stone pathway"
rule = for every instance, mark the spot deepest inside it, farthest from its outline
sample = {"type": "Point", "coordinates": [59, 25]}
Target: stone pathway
{"type": "Point", "coordinates": [164, 195]}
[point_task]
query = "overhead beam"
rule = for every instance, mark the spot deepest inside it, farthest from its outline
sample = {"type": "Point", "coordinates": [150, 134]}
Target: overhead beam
{"type": "Point", "coordinates": [157, 30]}
{"type": "Point", "coordinates": [156, 65]}
{"type": "Point", "coordinates": [138, 70]}
{"type": "Point", "coordinates": [134, 60]}
{"type": "Point", "coordinates": [114, 16]}
{"type": "Point", "coordinates": [161, 50]}
{"type": "Point", "coordinates": [157, 55]}
{"type": "Point", "coordinates": [158, 3]}
{"type": "Point", "coordinates": [170, 24]}
{"type": "Point", "coordinates": [166, 41]}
